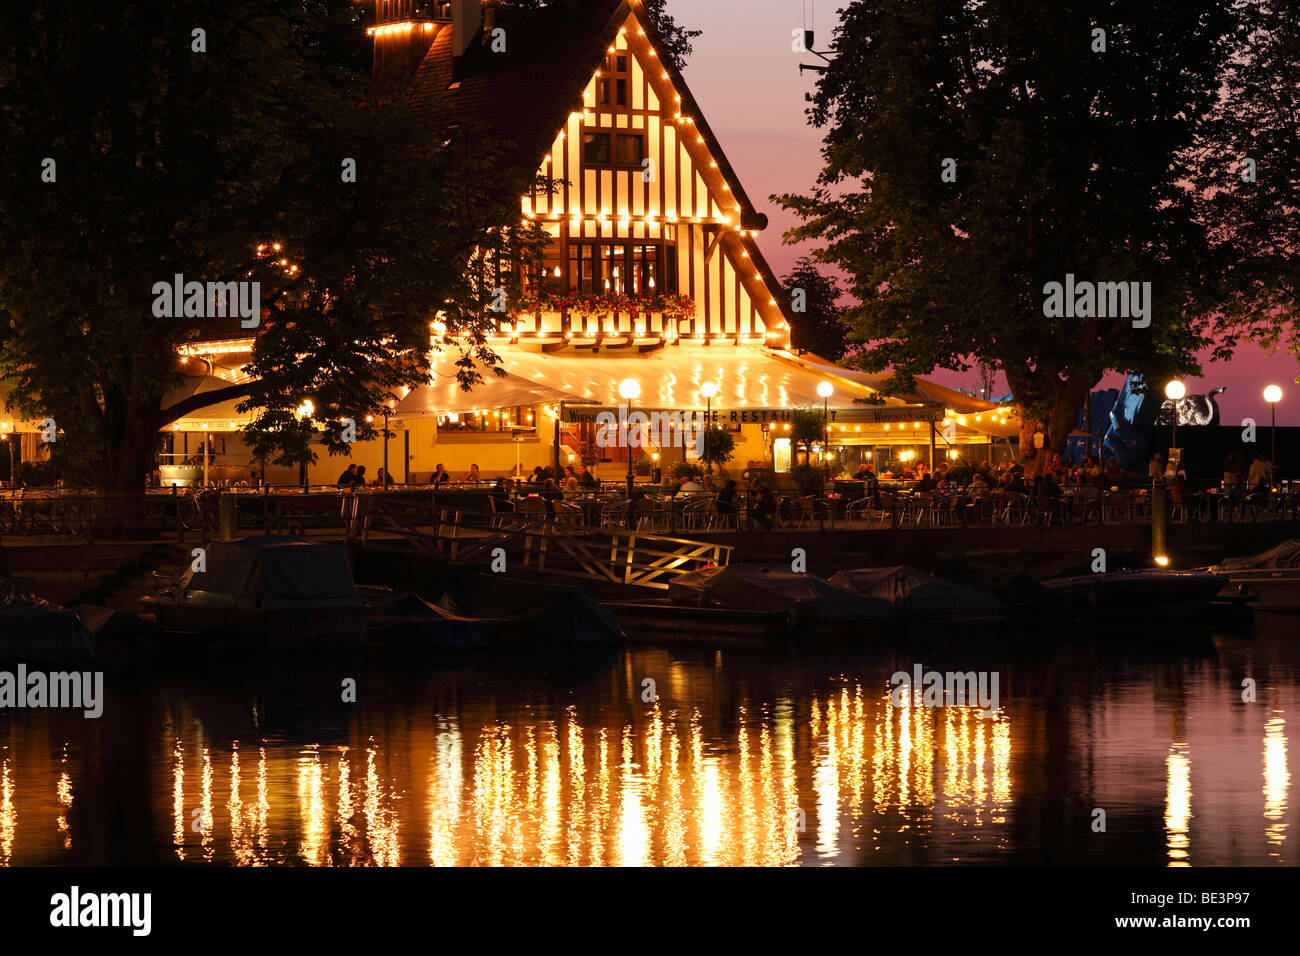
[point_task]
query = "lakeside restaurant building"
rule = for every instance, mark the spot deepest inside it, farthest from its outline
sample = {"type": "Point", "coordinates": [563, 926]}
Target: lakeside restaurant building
{"type": "Point", "coordinates": [653, 258]}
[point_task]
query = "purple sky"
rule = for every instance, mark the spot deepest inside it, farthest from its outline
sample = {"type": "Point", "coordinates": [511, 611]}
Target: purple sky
{"type": "Point", "coordinates": [746, 79]}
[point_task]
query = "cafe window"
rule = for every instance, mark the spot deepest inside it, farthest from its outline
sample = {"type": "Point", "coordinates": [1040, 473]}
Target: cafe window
{"type": "Point", "coordinates": [497, 421]}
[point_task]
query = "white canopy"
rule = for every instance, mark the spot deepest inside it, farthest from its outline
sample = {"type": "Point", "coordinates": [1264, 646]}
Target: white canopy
{"type": "Point", "coordinates": [745, 376]}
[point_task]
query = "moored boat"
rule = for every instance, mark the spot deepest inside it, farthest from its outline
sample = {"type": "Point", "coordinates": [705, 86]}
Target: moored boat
{"type": "Point", "coordinates": [1269, 581]}
{"type": "Point", "coordinates": [281, 593]}
{"type": "Point", "coordinates": [34, 630]}
{"type": "Point", "coordinates": [919, 596]}
{"type": "Point", "coordinates": [809, 601]}
{"type": "Point", "coordinates": [1128, 595]}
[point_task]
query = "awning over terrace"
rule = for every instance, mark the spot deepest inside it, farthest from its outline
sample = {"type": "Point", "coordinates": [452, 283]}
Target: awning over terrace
{"type": "Point", "coordinates": [747, 378]}
{"type": "Point", "coordinates": [965, 413]}
{"type": "Point", "coordinates": [221, 417]}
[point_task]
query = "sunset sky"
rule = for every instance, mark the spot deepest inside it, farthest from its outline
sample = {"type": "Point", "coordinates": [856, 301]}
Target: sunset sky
{"type": "Point", "coordinates": [746, 79]}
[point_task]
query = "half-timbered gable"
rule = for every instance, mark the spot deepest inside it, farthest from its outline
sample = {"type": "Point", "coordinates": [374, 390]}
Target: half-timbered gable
{"type": "Point", "coordinates": [653, 235]}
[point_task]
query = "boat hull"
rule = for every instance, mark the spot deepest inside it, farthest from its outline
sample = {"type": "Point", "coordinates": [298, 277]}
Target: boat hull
{"type": "Point", "coordinates": [1268, 589]}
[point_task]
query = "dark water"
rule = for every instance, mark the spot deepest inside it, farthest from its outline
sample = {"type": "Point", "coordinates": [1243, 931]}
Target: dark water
{"type": "Point", "coordinates": [750, 756]}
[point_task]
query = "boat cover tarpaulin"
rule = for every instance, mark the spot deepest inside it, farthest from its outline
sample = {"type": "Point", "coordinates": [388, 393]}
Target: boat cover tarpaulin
{"type": "Point", "coordinates": [1285, 555]}
{"type": "Point", "coordinates": [916, 593]}
{"type": "Point", "coordinates": [414, 620]}
{"type": "Point", "coordinates": [758, 587]}
{"type": "Point", "coordinates": [36, 631]}
{"type": "Point", "coordinates": [276, 570]}
{"type": "Point", "coordinates": [544, 613]}
{"type": "Point", "coordinates": [1014, 589]}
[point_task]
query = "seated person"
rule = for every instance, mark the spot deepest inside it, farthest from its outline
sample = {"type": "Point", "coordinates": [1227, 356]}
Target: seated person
{"type": "Point", "coordinates": [762, 506]}
{"type": "Point", "coordinates": [726, 499]}
{"type": "Point", "coordinates": [687, 485]}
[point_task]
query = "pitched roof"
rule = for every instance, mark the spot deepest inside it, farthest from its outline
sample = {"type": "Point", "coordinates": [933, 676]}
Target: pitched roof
{"type": "Point", "coordinates": [525, 95]}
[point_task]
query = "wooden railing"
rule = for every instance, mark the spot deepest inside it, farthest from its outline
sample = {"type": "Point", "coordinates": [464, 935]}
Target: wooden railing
{"type": "Point", "coordinates": [538, 543]}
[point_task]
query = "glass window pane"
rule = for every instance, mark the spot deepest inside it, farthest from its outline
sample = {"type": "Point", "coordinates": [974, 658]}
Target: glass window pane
{"type": "Point", "coordinates": [631, 150]}
{"type": "Point", "coordinates": [595, 148]}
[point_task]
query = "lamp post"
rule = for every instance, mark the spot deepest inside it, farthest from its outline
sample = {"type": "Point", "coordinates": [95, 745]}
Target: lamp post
{"type": "Point", "coordinates": [1272, 395]}
{"type": "Point", "coordinates": [708, 390]}
{"type": "Point", "coordinates": [629, 390]}
{"type": "Point", "coordinates": [387, 474]}
{"type": "Point", "coordinates": [1175, 391]}
{"type": "Point", "coordinates": [13, 478]}
{"type": "Point", "coordinates": [304, 411]}
{"type": "Point", "coordinates": [824, 389]}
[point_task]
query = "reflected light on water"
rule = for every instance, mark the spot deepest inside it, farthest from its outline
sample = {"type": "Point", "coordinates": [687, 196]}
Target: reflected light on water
{"type": "Point", "coordinates": [1178, 804]}
{"type": "Point", "coordinates": [63, 792]}
{"type": "Point", "coordinates": [1277, 782]}
{"type": "Point", "coordinates": [8, 815]}
{"type": "Point", "coordinates": [733, 765]}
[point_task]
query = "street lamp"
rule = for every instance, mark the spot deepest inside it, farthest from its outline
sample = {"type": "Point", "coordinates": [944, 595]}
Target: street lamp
{"type": "Point", "coordinates": [824, 389]}
{"type": "Point", "coordinates": [304, 411]}
{"type": "Point", "coordinates": [629, 390]}
{"type": "Point", "coordinates": [13, 477]}
{"type": "Point", "coordinates": [1175, 391]}
{"type": "Point", "coordinates": [1272, 395]}
{"type": "Point", "coordinates": [708, 390]}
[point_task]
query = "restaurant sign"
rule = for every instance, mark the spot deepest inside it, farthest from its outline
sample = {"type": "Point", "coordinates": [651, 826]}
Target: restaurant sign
{"type": "Point", "coordinates": [856, 415]}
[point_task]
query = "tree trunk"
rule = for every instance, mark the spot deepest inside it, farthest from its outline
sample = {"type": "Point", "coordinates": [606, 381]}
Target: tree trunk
{"type": "Point", "coordinates": [1061, 418]}
{"type": "Point", "coordinates": [122, 501]}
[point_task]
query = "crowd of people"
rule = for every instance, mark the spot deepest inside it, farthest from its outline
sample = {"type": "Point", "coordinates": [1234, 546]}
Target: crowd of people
{"type": "Point", "coordinates": [1085, 480]}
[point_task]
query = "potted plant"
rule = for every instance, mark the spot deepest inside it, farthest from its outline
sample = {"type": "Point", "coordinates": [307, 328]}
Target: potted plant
{"type": "Point", "coordinates": [688, 469]}
{"type": "Point", "coordinates": [807, 477]}
{"type": "Point", "coordinates": [719, 447]}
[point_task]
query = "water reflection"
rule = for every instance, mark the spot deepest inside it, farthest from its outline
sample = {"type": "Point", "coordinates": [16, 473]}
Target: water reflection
{"type": "Point", "coordinates": [1277, 782]}
{"type": "Point", "coordinates": [743, 761]}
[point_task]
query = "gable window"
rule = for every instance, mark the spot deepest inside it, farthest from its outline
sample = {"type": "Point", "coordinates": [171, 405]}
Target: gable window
{"type": "Point", "coordinates": [596, 149]}
{"type": "Point", "coordinates": [612, 90]}
{"type": "Point", "coordinates": [613, 149]}
{"type": "Point", "coordinates": [631, 149]}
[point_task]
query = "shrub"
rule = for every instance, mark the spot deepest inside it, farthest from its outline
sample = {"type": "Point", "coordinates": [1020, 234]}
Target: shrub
{"type": "Point", "coordinates": [688, 469]}
{"type": "Point", "coordinates": [719, 446]}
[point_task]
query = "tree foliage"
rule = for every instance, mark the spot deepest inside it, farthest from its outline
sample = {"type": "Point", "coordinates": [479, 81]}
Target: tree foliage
{"type": "Point", "coordinates": [676, 41]}
{"type": "Point", "coordinates": [1067, 160]}
{"type": "Point", "coordinates": [719, 446]}
{"type": "Point", "coordinates": [807, 428]}
{"type": "Point", "coordinates": [1247, 169]}
{"type": "Point", "coordinates": [813, 297]}
{"type": "Point", "coordinates": [175, 160]}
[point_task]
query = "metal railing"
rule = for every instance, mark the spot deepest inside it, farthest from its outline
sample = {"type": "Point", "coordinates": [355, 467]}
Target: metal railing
{"type": "Point", "coordinates": [197, 513]}
{"type": "Point", "coordinates": [539, 541]}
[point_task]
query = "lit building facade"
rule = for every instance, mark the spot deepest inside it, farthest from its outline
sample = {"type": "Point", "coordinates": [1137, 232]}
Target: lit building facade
{"type": "Point", "coordinates": [652, 273]}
